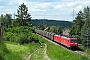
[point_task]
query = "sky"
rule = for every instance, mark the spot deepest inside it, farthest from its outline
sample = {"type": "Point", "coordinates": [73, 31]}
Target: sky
{"type": "Point", "coordinates": [46, 9]}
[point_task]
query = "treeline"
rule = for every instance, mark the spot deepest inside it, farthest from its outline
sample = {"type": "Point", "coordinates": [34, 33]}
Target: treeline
{"type": "Point", "coordinates": [81, 28]}
{"type": "Point", "coordinates": [46, 22]}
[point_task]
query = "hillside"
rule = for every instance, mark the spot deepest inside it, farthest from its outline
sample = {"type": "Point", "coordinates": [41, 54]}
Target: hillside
{"type": "Point", "coordinates": [38, 22]}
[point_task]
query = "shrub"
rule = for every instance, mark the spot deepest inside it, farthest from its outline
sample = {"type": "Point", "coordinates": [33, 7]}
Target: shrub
{"type": "Point", "coordinates": [22, 39]}
{"type": "Point", "coordinates": [22, 34]}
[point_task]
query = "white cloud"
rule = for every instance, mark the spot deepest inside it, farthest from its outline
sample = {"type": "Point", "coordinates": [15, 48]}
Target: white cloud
{"type": "Point", "coordinates": [58, 6]}
{"type": "Point", "coordinates": [37, 10]}
{"type": "Point", "coordinates": [43, 5]}
{"type": "Point", "coordinates": [87, 2]}
{"type": "Point", "coordinates": [71, 4]}
{"type": "Point", "coordinates": [1, 7]}
{"type": "Point", "coordinates": [78, 8]}
{"type": "Point", "coordinates": [13, 2]}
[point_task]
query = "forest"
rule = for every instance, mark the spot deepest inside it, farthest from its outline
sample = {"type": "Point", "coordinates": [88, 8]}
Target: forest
{"type": "Point", "coordinates": [46, 22]}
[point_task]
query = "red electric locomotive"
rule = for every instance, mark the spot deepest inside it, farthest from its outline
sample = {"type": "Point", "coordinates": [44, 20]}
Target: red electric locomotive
{"type": "Point", "coordinates": [69, 42]}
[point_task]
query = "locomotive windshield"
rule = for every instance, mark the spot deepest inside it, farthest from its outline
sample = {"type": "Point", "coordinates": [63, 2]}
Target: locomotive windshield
{"type": "Point", "coordinates": [73, 41]}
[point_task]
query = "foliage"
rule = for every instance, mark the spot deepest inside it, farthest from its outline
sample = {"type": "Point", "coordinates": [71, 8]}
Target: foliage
{"type": "Point", "coordinates": [42, 26]}
{"type": "Point", "coordinates": [23, 34]}
{"type": "Point", "coordinates": [55, 29]}
{"type": "Point", "coordinates": [48, 23]}
{"type": "Point", "coordinates": [76, 28]}
{"type": "Point", "coordinates": [2, 18]}
{"type": "Point", "coordinates": [22, 15]}
{"type": "Point", "coordinates": [75, 31]}
{"type": "Point", "coordinates": [85, 35]}
{"type": "Point", "coordinates": [6, 20]}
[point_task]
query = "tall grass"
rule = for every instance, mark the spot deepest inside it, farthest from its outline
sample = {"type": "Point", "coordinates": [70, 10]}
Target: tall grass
{"type": "Point", "coordinates": [58, 53]}
{"type": "Point", "coordinates": [21, 50]}
{"type": "Point", "coordinates": [5, 54]}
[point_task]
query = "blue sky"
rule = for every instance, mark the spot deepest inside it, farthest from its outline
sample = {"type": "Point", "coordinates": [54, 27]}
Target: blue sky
{"type": "Point", "coordinates": [48, 9]}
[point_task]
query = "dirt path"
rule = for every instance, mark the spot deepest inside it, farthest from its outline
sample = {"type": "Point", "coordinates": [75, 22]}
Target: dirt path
{"type": "Point", "coordinates": [45, 53]}
{"type": "Point", "coordinates": [29, 55]}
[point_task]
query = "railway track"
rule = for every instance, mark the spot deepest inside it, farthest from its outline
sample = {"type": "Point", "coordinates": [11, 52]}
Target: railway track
{"type": "Point", "coordinates": [74, 51]}
{"type": "Point", "coordinates": [82, 53]}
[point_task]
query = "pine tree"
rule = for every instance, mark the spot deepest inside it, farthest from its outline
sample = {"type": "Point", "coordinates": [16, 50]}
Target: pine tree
{"type": "Point", "coordinates": [85, 33]}
{"type": "Point", "coordinates": [75, 31]}
{"type": "Point", "coordinates": [22, 15]}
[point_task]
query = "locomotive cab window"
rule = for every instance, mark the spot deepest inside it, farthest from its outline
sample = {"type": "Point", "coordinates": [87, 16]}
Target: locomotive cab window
{"type": "Point", "coordinates": [73, 41]}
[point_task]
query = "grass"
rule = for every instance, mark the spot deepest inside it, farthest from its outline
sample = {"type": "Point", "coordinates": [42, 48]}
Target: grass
{"type": "Point", "coordinates": [58, 53]}
{"type": "Point", "coordinates": [21, 50]}
{"type": "Point", "coordinates": [5, 54]}
{"type": "Point", "coordinates": [38, 55]}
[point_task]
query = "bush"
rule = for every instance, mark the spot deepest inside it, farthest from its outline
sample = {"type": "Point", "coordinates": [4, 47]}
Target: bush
{"type": "Point", "coordinates": [22, 34]}
{"type": "Point", "coordinates": [34, 38]}
{"type": "Point", "coordinates": [22, 39]}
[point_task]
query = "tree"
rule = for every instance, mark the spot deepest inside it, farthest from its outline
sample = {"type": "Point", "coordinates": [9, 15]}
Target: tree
{"type": "Point", "coordinates": [75, 31]}
{"type": "Point", "coordinates": [52, 29]}
{"type": "Point", "coordinates": [1, 33]}
{"type": "Point", "coordinates": [55, 29]}
{"type": "Point", "coordinates": [78, 24]}
{"type": "Point", "coordinates": [6, 20]}
{"type": "Point", "coordinates": [58, 30]}
{"type": "Point", "coordinates": [22, 15]}
{"type": "Point", "coordinates": [42, 26]}
{"type": "Point", "coordinates": [1, 18]}
{"type": "Point", "coordinates": [85, 33]}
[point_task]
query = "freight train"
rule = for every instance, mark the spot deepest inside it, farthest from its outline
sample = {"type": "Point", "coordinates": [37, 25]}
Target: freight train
{"type": "Point", "coordinates": [66, 41]}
